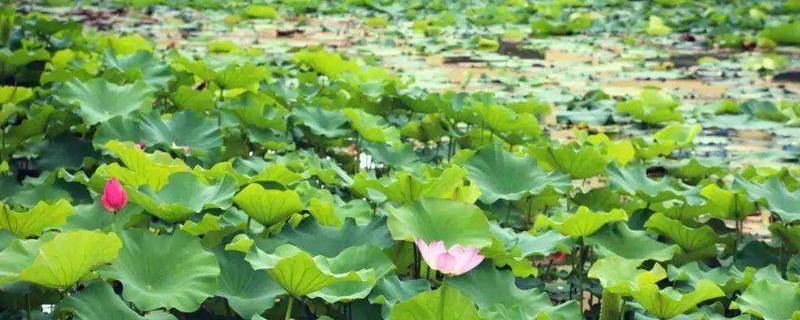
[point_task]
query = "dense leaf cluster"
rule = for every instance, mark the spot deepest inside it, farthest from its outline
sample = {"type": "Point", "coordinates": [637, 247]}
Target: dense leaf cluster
{"type": "Point", "coordinates": [267, 188]}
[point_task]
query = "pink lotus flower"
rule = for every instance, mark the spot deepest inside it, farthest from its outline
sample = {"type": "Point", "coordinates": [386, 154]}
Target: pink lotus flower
{"type": "Point", "coordinates": [114, 196]}
{"type": "Point", "coordinates": [455, 261]}
{"type": "Point", "coordinates": [140, 145]}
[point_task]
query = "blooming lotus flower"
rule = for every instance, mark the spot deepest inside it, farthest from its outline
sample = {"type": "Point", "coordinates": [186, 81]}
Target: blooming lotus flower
{"type": "Point", "coordinates": [455, 261]}
{"type": "Point", "coordinates": [114, 196]}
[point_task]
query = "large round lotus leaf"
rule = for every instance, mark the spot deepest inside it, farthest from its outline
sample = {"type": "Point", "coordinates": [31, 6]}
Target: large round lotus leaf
{"type": "Point", "coordinates": [174, 204]}
{"type": "Point", "coordinates": [726, 204]}
{"type": "Point", "coordinates": [299, 273]}
{"type": "Point", "coordinates": [404, 187]}
{"type": "Point", "coordinates": [688, 238]}
{"type": "Point", "coordinates": [619, 240]}
{"type": "Point", "coordinates": [98, 100]}
{"type": "Point", "coordinates": [321, 122]}
{"type": "Point", "coordinates": [164, 271]}
{"type": "Point", "coordinates": [582, 223]}
{"type": "Point", "coordinates": [492, 289]}
{"type": "Point", "coordinates": [249, 292]}
{"type": "Point", "coordinates": [502, 175]}
{"type": "Point", "coordinates": [18, 255]}
{"type": "Point", "coordinates": [142, 65]}
{"type": "Point", "coordinates": [779, 199]}
{"type": "Point", "coordinates": [390, 290]}
{"type": "Point", "coordinates": [330, 241]}
{"type": "Point", "coordinates": [729, 278]}
{"type": "Point", "coordinates": [268, 207]}
{"type": "Point", "coordinates": [33, 221]}
{"type": "Point", "coordinates": [668, 303]}
{"type": "Point", "coordinates": [354, 259]}
{"type": "Point", "coordinates": [99, 302]}
{"type": "Point", "coordinates": [633, 180]}
{"type": "Point", "coordinates": [771, 299]}
{"type": "Point", "coordinates": [436, 219]}
{"type": "Point", "coordinates": [182, 129]}
{"type": "Point", "coordinates": [619, 275]}
{"type": "Point", "coordinates": [445, 303]}
{"type": "Point", "coordinates": [69, 256]}
{"type": "Point", "coordinates": [141, 168]}
{"type": "Point", "coordinates": [579, 162]}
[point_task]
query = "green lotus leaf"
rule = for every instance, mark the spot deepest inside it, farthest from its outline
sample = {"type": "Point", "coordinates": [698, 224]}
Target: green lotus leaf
{"type": "Point", "coordinates": [513, 249]}
{"type": "Point", "coordinates": [249, 292]}
{"type": "Point", "coordinates": [492, 289]}
{"type": "Point", "coordinates": [322, 122]}
{"type": "Point", "coordinates": [371, 127]}
{"type": "Point", "coordinates": [656, 27]}
{"type": "Point", "coordinates": [400, 156]}
{"type": "Point", "coordinates": [66, 151]}
{"type": "Point", "coordinates": [436, 219]}
{"type": "Point", "coordinates": [669, 303]}
{"type": "Point", "coordinates": [579, 162]}
{"type": "Point", "coordinates": [771, 299]}
{"type": "Point", "coordinates": [695, 169]}
{"type": "Point", "coordinates": [784, 33]}
{"type": "Point", "coordinates": [98, 302]}
{"type": "Point", "coordinates": [245, 76]}
{"type": "Point", "coordinates": [633, 180]}
{"type": "Point", "coordinates": [444, 303]}
{"type": "Point", "coordinates": [729, 278]}
{"type": "Point", "coordinates": [98, 100]}
{"type": "Point", "coordinates": [164, 271]}
{"type": "Point", "coordinates": [180, 129]}
{"type": "Point", "coordinates": [788, 235]}
{"type": "Point", "coordinates": [268, 207]}
{"type": "Point", "coordinates": [689, 239]}
{"type": "Point", "coordinates": [652, 106]}
{"type": "Point", "coordinates": [139, 66]}
{"type": "Point", "coordinates": [241, 243]}
{"type": "Point", "coordinates": [502, 175]}
{"type": "Point", "coordinates": [390, 290]}
{"type": "Point", "coordinates": [366, 257]}
{"type": "Point", "coordinates": [208, 223]}
{"type": "Point", "coordinates": [676, 135]}
{"type": "Point", "coordinates": [301, 274]}
{"type": "Point", "coordinates": [527, 244]}
{"type": "Point", "coordinates": [404, 187]}
{"type": "Point", "coordinates": [330, 241]}
{"type": "Point", "coordinates": [32, 222]}
{"type": "Point", "coordinates": [185, 97]}
{"type": "Point", "coordinates": [258, 110]}
{"type": "Point", "coordinates": [519, 127]}
{"type": "Point", "coordinates": [621, 276]}
{"type": "Point", "coordinates": [141, 168]}
{"type": "Point", "coordinates": [256, 170]}
{"type": "Point", "coordinates": [727, 204]}
{"type": "Point", "coordinates": [30, 128]}
{"type": "Point", "coordinates": [619, 240]}
{"type": "Point", "coordinates": [582, 223]}
{"type": "Point", "coordinates": [779, 199]}
{"type": "Point", "coordinates": [68, 257]}
{"type": "Point", "coordinates": [173, 204]}
{"type": "Point", "coordinates": [12, 94]}
{"type": "Point", "coordinates": [15, 257]}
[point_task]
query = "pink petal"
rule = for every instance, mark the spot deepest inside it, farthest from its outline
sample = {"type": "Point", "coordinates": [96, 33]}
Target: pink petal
{"type": "Point", "coordinates": [466, 258]}
{"type": "Point", "coordinates": [446, 263]}
{"type": "Point", "coordinates": [430, 252]}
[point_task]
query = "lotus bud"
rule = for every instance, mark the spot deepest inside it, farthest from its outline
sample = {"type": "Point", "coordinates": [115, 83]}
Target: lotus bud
{"type": "Point", "coordinates": [114, 196]}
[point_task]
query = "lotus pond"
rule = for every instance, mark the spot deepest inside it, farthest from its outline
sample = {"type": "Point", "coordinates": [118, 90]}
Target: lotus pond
{"type": "Point", "coordinates": [400, 160]}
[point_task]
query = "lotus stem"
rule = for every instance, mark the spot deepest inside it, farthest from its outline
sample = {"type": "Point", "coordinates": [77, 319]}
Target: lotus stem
{"type": "Point", "coordinates": [289, 309]}
{"type": "Point", "coordinates": [610, 306]}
